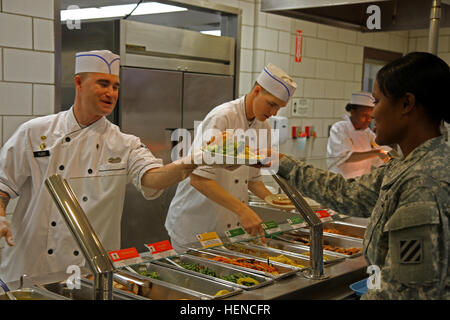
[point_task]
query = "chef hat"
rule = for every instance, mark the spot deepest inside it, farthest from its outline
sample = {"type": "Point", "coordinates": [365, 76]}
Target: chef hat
{"type": "Point", "coordinates": [103, 61]}
{"type": "Point", "coordinates": [277, 82]}
{"type": "Point", "coordinates": [363, 99]}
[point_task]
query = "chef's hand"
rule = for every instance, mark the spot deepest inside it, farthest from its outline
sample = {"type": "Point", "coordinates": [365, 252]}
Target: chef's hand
{"type": "Point", "coordinates": [382, 155]}
{"type": "Point", "coordinates": [5, 230]}
{"type": "Point", "coordinates": [251, 223]}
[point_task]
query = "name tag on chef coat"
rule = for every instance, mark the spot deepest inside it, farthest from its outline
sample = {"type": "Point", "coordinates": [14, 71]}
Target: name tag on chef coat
{"type": "Point", "coordinates": [43, 153]}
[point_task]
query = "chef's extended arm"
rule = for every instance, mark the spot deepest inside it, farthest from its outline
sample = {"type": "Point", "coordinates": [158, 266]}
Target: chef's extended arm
{"type": "Point", "coordinates": [259, 189]}
{"type": "Point", "coordinates": [213, 191]}
{"type": "Point", "coordinates": [5, 230]}
{"type": "Point", "coordinates": [359, 156]}
{"type": "Point", "coordinates": [169, 174]}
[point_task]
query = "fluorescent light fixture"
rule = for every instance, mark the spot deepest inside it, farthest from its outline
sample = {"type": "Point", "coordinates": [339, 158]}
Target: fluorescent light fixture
{"type": "Point", "coordinates": [117, 11]}
{"type": "Point", "coordinates": [212, 32]}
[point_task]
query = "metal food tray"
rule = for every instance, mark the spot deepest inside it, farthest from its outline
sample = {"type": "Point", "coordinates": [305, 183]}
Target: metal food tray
{"type": "Point", "coordinates": [86, 290]}
{"type": "Point", "coordinates": [349, 230]}
{"type": "Point", "coordinates": [283, 270]}
{"type": "Point", "coordinates": [329, 239]}
{"type": "Point", "coordinates": [302, 250]}
{"type": "Point", "coordinates": [33, 293]}
{"type": "Point", "coordinates": [266, 252]}
{"type": "Point", "coordinates": [221, 269]}
{"type": "Point", "coordinates": [172, 281]}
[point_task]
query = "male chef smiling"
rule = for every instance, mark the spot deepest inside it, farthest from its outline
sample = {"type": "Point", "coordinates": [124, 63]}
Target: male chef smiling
{"type": "Point", "coordinates": [215, 199]}
{"type": "Point", "coordinates": [98, 160]}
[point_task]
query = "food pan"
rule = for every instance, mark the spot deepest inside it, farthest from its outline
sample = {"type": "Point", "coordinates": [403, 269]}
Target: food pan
{"type": "Point", "coordinates": [171, 283]}
{"type": "Point", "coordinates": [343, 229]}
{"type": "Point", "coordinates": [264, 252]}
{"type": "Point", "coordinates": [332, 243]}
{"type": "Point", "coordinates": [33, 293]}
{"type": "Point", "coordinates": [281, 270]}
{"type": "Point", "coordinates": [215, 271]}
{"type": "Point", "coordinates": [303, 251]}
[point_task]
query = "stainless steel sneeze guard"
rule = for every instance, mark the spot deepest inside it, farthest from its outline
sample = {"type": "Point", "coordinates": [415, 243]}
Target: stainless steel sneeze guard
{"type": "Point", "coordinates": [316, 235]}
{"type": "Point", "coordinates": [87, 240]}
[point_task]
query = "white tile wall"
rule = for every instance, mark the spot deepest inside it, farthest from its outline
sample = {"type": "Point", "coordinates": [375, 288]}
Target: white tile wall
{"type": "Point", "coordinates": [315, 48]}
{"type": "Point", "coordinates": [16, 31]}
{"type": "Point", "coordinates": [323, 108]}
{"type": "Point", "coordinates": [43, 35]}
{"type": "Point", "coordinates": [247, 37]}
{"type": "Point", "coordinates": [305, 69]}
{"type": "Point", "coordinates": [266, 39]}
{"type": "Point", "coordinates": [314, 88]}
{"type": "Point", "coordinates": [43, 99]}
{"type": "Point", "coordinates": [326, 69]}
{"type": "Point", "coordinates": [336, 51]}
{"type": "Point", "coordinates": [11, 123]}
{"type": "Point", "coordinates": [15, 98]}
{"type": "Point", "coordinates": [28, 66]}
{"type": "Point", "coordinates": [345, 71]}
{"type": "Point", "coordinates": [355, 54]}
{"type": "Point", "coordinates": [40, 8]}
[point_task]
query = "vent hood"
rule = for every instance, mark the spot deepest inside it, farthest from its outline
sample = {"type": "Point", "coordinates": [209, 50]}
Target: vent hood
{"type": "Point", "coordinates": [396, 15]}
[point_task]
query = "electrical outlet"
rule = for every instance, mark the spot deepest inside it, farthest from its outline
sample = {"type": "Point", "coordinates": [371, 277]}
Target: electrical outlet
{"type": "Point", "coordinates": [301, 108]}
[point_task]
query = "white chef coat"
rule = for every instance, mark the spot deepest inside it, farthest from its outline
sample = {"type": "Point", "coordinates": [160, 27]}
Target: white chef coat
{"type": "Point", "coordinates": [97, 161]}
{"type": "Point", "coordinates": [343, 141]}
{"type": "Point", "coordinates": [190, 212]}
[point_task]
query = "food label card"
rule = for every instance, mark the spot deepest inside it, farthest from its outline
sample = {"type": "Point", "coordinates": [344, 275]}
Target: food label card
{"type": "Point", "coordinates": [235, 235]}
{"type": "Point", "coordinates": [270, 227]}
{"type": "Point", "coordinates": [324, 216]}
{"type": "Point", "coordinates": [162, 249]}
{"type": "Point", "coordinates": [296, 222]}
{"type": "Point", "coordinates": [209, 239]}
{"type": "Point", "coordinates": [125, 257]}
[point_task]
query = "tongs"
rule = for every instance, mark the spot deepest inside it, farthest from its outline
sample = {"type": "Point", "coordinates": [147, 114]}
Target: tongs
{"type": "Point", "coordinates": [7, 291]}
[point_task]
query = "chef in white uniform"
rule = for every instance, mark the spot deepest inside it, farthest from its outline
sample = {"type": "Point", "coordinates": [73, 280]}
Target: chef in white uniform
{"type": "Point", "coordinates": [215, 199]}
{"type": "Point", "coordinates": [351, 149]}
{"type": "Point", "coordinates": [98, 160]}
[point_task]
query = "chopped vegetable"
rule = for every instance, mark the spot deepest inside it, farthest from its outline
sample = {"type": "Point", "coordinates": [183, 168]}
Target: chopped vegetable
{"type": "Point", "coordinates": [153, 275]}
{"type": "Point", "coordinates": [222, 292]}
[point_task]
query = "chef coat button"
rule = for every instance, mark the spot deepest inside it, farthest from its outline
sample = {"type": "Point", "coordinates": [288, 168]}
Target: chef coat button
{"type": "Point", "coordinates": [67, 139]}
{"type": "Point", "coordinates": [53, 224]}
{"type": "Point", "coordinates": [89, 171]}
{"type": "Point", "coordinates": [75, 253]}
{"type": "Point", "coordinates": [85, 199]}
{"type": "Point", "coordinates": [61, 167]}
{"type": "Point", "coordinates": [228, 225]}
{"type": "Point", "coordinates": [97, 146]}
{"type": "Point", "coordinates": [236, 181]}
{"type": "Point", "coordinates": [50, 251]}
{"type": "Point", "coordinates": [238, 224]}
{"type": "Point", "coordinates": [246, 181]}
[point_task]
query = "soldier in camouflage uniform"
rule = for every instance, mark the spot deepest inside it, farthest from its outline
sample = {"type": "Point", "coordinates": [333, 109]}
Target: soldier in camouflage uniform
{"type": "Point", "coordinates": [407, 200]}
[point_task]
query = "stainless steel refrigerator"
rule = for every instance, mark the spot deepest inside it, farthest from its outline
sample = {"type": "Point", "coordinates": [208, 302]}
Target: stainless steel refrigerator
{"type": "Point", "coordinates": [169, 78]}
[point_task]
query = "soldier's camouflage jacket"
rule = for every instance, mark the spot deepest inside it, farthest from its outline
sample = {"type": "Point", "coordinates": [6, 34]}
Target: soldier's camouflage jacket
{"type": "Point", "coordinates": [408, 203]}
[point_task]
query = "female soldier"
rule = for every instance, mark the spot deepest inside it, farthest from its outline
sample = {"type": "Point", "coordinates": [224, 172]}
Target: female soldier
{"type": "Point", "coordinates": [407, 199]}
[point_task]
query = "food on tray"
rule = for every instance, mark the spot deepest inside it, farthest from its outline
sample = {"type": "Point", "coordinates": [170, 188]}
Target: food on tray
{"type": "Point", "coordinates": [222, 292]}
{"type": "Point", "coordinates": [283, 259]}
{"type": "Point", "coordinates": [280, 258]}
{"type": "Point", "coordinates": [227, 146]}
{"type": "Point", "coordinates": [153, 275]}
{"type": "Point", "coordinates": [336, 231]}
{"type": "Point", "coordinates": [238, 278]}
{"type": "Point", "coordinates": [130, 287]}
{"type": "Point", "coordinates": [280, 200]}
{"type": "Point", "coordinates": [347, 251]}
{"type": "Point", "coordinates": [247, 263]}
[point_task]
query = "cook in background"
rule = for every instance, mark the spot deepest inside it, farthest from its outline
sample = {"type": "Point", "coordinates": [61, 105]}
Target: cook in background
{"type": "Point", "coordinates": [351, 148]}
{"type": "Point", "coordinates": [215, 199]}
{"type": "Point", "coordinates": [81, 145]}
{"type": "Point", "coordinates": [407, 199]}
